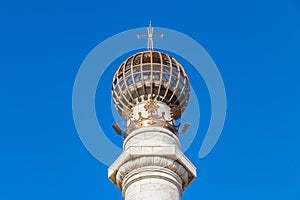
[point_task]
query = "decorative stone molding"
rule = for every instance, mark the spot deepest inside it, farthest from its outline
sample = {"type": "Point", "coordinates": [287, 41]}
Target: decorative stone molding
{"type": "Point", "coordinates": [157, 148]}
{"type": "Point", "coordinates": [153, 161]}
{"type": "Point", "coordinates": [152, 166]}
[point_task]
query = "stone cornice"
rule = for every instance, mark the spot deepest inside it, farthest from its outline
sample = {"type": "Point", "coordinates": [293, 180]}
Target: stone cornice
{"type": "Point", "coordinates": [147, 161]}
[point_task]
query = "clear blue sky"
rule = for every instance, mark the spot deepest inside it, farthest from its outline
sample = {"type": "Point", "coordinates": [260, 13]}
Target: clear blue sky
{"type": "Point", "coordinates": [255, 45]}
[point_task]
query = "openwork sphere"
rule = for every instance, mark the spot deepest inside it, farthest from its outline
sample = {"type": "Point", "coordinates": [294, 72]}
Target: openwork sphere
{"type": "Point", "coordinates": [150, 75]}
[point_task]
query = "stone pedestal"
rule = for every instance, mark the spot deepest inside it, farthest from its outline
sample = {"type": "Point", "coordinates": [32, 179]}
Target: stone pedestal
{"type": "Point", "coordinates": [152, 166]}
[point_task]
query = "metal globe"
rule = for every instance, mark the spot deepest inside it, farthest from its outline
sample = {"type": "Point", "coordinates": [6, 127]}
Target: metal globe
{"type": "Point", "coordinates": [150, 75]}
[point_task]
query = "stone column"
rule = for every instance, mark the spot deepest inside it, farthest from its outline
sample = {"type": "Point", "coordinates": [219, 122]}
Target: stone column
{"type": "Point", "coordinates": [152, 166]}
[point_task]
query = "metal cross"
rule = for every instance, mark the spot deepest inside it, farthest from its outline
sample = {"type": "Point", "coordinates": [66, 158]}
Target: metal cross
{"type": "Point", "coordinates": [150, 36]}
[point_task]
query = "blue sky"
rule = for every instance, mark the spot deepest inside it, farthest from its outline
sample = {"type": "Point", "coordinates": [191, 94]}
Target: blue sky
{"type": "Point", "coordinates": [255, 45]}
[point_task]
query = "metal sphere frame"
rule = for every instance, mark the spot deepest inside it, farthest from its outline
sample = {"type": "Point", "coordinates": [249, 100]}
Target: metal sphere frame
{"type": "Point", "coordinates": [150, 75]}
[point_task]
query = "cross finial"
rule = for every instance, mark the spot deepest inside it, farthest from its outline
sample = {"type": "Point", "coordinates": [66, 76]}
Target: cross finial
{"type": "Point", "coordinates": [150, 36]}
